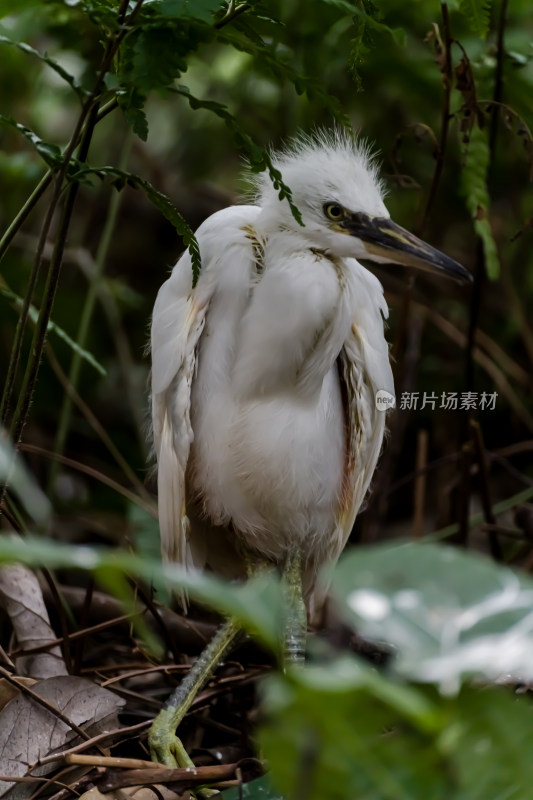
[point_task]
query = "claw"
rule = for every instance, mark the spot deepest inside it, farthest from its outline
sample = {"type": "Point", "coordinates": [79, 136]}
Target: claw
{"type": "Point", "coordinates": [168, 749]}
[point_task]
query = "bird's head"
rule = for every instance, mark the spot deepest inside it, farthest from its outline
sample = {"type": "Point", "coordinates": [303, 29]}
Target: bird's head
{"type": "Point", "coordinates": [335, 185]}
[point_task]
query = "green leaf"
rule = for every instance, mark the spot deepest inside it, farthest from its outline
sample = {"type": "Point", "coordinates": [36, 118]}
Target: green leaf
{"type": "Point", "coordinates": [132, 102]}
{"type": "Point", "coordinates": [366, 23]}
{"type": "Point", "coordinates": [156, 53]}
{"type": "Point", "coordinates": [58, 69]}
{"type": "Point", "coordinates": [341, 731]}
{"type": "Point", "coordinates": [486, 737]}
{"type": "Point", "coordinates": [163, 203]}
{"type": "Point", "coordinates": [474, 187]}
{"type": "Point", "coordinates": [337, 732]}
{"type": "Point", "coordinates": [33, 314]}
{"type": "Point", "coordinates": [157, 58]}
{"type": "Point", "coordinates": [477, 13]}
{"type": "Point", "coordinates": [257, 605]}
{"type": "Point", "coordinates": [447, 614]}
{"type": "Point", "coordinates": [50, 153]}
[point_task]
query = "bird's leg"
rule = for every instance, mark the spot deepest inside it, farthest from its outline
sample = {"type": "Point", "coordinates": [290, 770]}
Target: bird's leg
{"type": "Point", "coordinates": [296, 622]}
{"type": "Point", "coordinates": [165, 747]}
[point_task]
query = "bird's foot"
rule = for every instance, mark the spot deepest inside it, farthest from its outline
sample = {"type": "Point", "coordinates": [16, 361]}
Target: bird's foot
{"type": "Point", "coordinates": [165, 747]}
{"type": "Point", "coordinates": [168, 749]}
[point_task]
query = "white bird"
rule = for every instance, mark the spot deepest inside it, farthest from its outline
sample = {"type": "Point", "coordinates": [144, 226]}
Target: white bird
{"type": "Point", "coordinates": [265, 375]}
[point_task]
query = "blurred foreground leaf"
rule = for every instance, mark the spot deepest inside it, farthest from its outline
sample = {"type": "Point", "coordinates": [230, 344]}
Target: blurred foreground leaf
{"type": "Point", "coordinates": [342, 731]}
{"type": "Point", "coordinates": [17, 478]}
{"type": "Point", "coordinates": [448, 613]}
{"type": "Point", "coordinates": [257, 605]}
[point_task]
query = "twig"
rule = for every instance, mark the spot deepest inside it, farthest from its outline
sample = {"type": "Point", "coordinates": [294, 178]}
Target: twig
{"type": "Point", "coordinates": [184, 777]}
{"type": "Point", "coordinates": [93, 742]}
{"type": "Point", "coordinates": [111, 761]}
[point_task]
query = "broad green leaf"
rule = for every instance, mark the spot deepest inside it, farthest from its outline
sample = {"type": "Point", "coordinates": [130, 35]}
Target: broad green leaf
{"type": "Point", "coordinates": [257, 605]}
{"type": "Point", "coordinates": [33, 314]}
{"type": "Point", "coordinates": [447, 614]}
{"type": "Point", "coordinates": [488, 736]}
{"type": "Point", "coordinates": [332, 732]}
{"type": "Point", "coordinates": [338, 731]}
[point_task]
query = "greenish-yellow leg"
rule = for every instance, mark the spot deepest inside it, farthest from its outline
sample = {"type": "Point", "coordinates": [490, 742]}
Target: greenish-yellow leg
{"type": "Point", "coordinates": [296, 622]}
{"type": "Point", "coordinates": [165, 746]}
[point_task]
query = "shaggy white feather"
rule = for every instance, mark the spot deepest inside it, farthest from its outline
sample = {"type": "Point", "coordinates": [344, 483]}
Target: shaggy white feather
{"type": "Point", "coordinates": [251, 436]}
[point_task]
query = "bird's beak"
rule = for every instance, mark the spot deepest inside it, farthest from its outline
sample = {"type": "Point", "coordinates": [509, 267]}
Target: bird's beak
{"type": "Point", "coordinates": [381, 237]}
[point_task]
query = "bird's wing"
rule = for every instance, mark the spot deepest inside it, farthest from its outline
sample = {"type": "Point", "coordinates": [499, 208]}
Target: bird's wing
{"type": "Point", "coordinates": [179, 316]}
{"type": "Point", "coordinates": [364, 369]}
{"type": "Point", "coordinates": [177, 323]}
{"type": "Point", "coordinates": [365, 429]}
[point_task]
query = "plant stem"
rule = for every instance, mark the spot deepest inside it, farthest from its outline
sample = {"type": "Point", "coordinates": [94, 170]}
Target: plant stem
{"type": "Point", "coordinates": [83, 133]}
{"type": "Point", "coordinates": [16, 348]}
{"type": "Point", "coordinates": [88, 308]}
{"type": "Point", "coordinates": [445, 117]}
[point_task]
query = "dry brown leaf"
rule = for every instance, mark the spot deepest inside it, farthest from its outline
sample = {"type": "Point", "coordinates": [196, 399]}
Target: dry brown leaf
{"type": "Point", "coordinates": [22, 599]}
{"type": "Point", "coordinates": [159, 792]}
{"type": "Point", "coordinates": [29, 732]}
{"type": "Point", "coordinates": [8, 691]}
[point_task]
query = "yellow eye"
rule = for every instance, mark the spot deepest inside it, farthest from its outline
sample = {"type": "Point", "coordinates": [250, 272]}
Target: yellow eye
{"type": "Point", "coordinates": [333, 211]}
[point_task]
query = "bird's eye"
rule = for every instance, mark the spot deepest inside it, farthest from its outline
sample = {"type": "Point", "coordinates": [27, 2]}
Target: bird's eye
{"type": "Point", "coordinates": [333, 211]}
